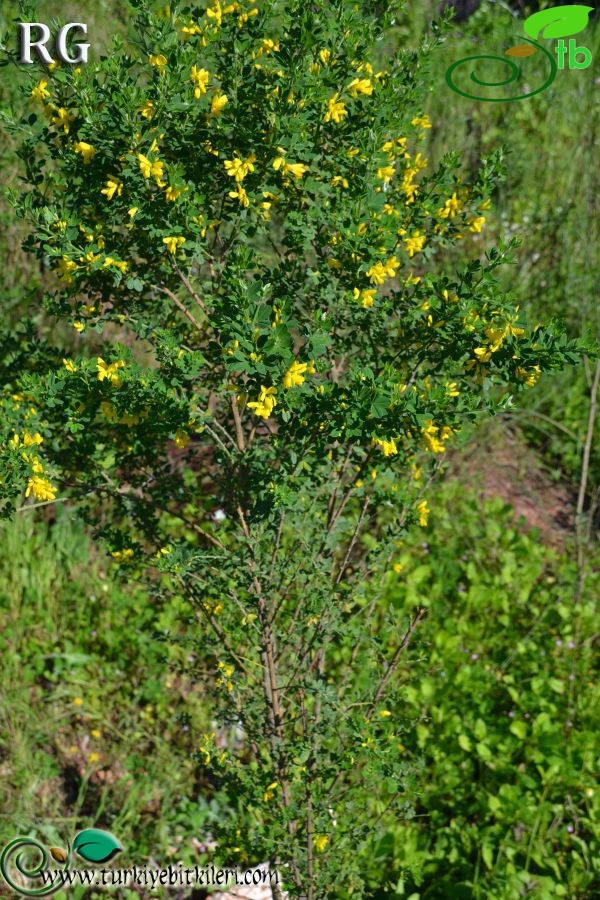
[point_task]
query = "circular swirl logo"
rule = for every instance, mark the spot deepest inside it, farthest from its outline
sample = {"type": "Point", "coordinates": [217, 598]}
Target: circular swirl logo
{"type": "Point", "coordinates": [16, 860]}
{"type": "Point", "coordinates": [512, 77]}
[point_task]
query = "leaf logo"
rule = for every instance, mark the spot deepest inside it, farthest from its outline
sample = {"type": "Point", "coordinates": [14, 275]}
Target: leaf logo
{"type": "Point", "coordinates": [521, 50]}
{"type": "Point", "coordinates": [95, 845]}
{"type": "Point", "coordinates": [557, 23]}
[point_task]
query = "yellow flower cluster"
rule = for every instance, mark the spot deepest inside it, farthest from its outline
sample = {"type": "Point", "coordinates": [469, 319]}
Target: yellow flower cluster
{"type": "Point", "coordinates": [263, 407]}
{"type": "Point", "coordinates": [270, 792]}
{"type": "Point", "coordinates": [238, 168]}
{"type": "Point", "coordinates": [152, 169]}
{"type": "Point", "coordinates": [41, 489]}
{"type": "Point", "coordinates": [296, 374]}
{"type": "Point", "coordinates": [365, 296]}
{"type": "Point", "coordinates": [113, 186]}
{"type": "Point", "coordinates": [280, 164]}
{"type": "Point", "coordinates": [336, 110]}
{"type": "Point", "coordinates": [199, 78]}
{"type": "Point", "coordinates": [415, 243]}
{"type": "Point", "coordinates": [122, 556]}
{"type": "Point", "coordinates": [388, 446]}
{"type": "Point", "coordinates": [109, 371]}
{"type": "Point", "coordinates": [423, 511]}
{"type": "Point", "coordinates": [381, 271]}
{"type": "Point", "coordinates": [173, 243]}
{"type": "Point", "coordinates": [421, 122]}
{"type": "Point", "coordinates": [529, 376]}
{"type": "Point", "coordinates": [451, 207]}
{"type": "Point", "coordinates": [434, 437]}
{"type": "Point", "coordinates": [39, 486]}
{"type": "Point", "coordinates": [226, 670]}
{"type": "Point", "coordinates": [86, 151]}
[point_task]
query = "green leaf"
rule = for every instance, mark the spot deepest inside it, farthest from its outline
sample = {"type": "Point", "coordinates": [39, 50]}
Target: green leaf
{"type": "Point", "coordinates": [519, 729]}
{"type": "Point", "coordinates": [487, 853]}
{"type": "Point", "coordinates": [557, 23]}
{"type": "Point", "coordinates": [96, 845]}
{"type": "Point", "coordinates": [464, 743]}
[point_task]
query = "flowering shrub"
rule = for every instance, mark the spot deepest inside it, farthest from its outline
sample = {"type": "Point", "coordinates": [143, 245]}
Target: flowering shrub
{"type": "Point", "coordinates": [261, 377]}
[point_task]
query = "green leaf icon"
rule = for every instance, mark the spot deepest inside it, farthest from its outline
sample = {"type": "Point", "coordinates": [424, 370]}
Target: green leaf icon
{"type": "Point", "coordinates": [557, 23]}
{"type": "Point", "coordinates": [96, 846]}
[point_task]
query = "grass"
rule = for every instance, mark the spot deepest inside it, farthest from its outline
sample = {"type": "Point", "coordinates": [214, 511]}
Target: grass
{"type": "Point", "coordinates": [94, 728]}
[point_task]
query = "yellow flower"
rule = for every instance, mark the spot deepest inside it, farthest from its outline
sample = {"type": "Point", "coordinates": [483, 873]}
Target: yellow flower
{"type": "Point", "coordinates": [118, 264]}
{"type": "Point", "coordinates": [218, 104]}
{"type": "Point", "coordinates": [106, 370]}
{"type": "Point", "coordinates": [325, 56]}
{"type": "Point", "coordinates": [93, 757]}
{"type": "Point", "coordinates": [267, 45]}
{"type": "Point", "coordinates": [421, 122]}
{"type": "Point", "coordinates": [79, 326]}
{"type": "Point", "coordinates": [360, 86]}
{"type": "Point", "coordinates": [530, 377]}
{"type": "Point", "coordinates": [148, 168]}
{"type": "Point", "coordinates": [365, 296]}
{"type": "Point", "coordinates": [336, 110]}
{"type": "Point", "coordinates": [388, 446]}
{"type": "Point", "coordinates": [476, 223]}
{"type": "Point", "coordinates": [270, 792]}
{"type": "Point", "coordinates": [63, 119]}
{"type": "Point", "coordinates": [385, 713]}
{"type": "Point", "coordinates": [298, 170]}
{"type": "Point", "coordinates": [320, 841]}
{"type": "Point", "coordinates": [199, 78]}
{"type": "Point", "coordinates": [95, 733]}
{"type": "Point", "coordinates": [431, 440]}
{"type": "Point", "coordinates": [87, 151]}
{"type": "Point", "coordinates": [122, 556]}
{"type": "Point", "coordinates": [77, 701]}
{"type": "Point", "coordinates": [69, 365]}
{"type": "Point", "coordinates": [40, 91]}
{"type": "Point", "coordinates": [182, 439]}
{"type": "Point", "coordinates": [385, 174]}
{"type": "Point", "coordinates": [113, 186]}
{"type": "Point", "coordinates": [147, 109]}
{"type": "Point", "coordinates": [172, 194]}
{"type": "Point", "coordinates": [40, 488]}
{"type": "Point", "coordinates": [263, 407]}
{"type": "Point", "coordinates": [450, 208]}
{"type": "Point", "coordinates": [158, 60]}
{"type": "Point", "coordinates": [452, 389]}
{"type": "Point", "coordinates": [415, 243]}
{"type": "Point", "coordinates": [238, 168]}
{"type": "Point", "coordinates": [64, 268]}
{"type": "Point", "coordinates": [380, 271]}
{"type": "Point", "coordinates": [423, 510]}
{"type": "Point", "coordinates": [32, 440]}
{"type": "Point", "coordinates": [241, 196]}
{"type": "Point", "coordinates": [131, 212]}
{"type": "Point", "coordinates": [294, 376]}
{"type": "Point", "coordinates": [173, 243]}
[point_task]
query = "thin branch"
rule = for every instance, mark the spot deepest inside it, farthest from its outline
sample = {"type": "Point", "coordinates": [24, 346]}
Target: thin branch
{"type": "Point", "coordinates": [185, 281]}
{"type": "Point", "coordinates": [396, 658]}
{"type": "Point", "coordinates": [180, 306]}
